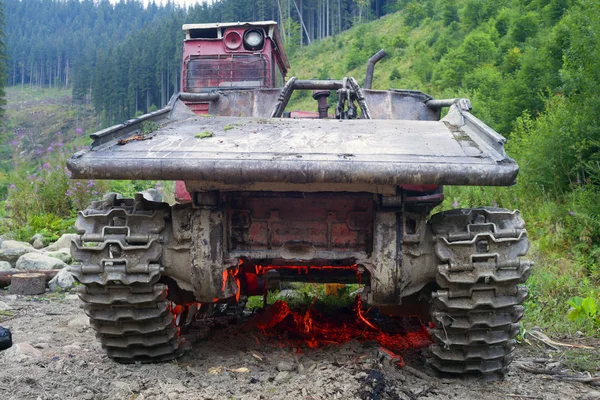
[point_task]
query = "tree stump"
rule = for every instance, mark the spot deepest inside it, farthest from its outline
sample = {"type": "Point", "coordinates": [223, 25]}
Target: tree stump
{"type": "Point", "coordinates": [28, 284]}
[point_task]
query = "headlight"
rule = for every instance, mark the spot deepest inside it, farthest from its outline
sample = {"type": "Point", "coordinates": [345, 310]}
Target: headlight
{"type": "Point", "coordinates": [253, 39]}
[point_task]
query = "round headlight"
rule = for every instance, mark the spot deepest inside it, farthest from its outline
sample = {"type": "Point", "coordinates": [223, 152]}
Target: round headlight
{"type": "Point", "coordinates": [253, 39]}
{"type": "Point", "coordinates": [232, 40]}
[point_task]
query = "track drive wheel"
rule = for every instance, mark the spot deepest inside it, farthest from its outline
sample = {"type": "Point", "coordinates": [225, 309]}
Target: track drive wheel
{"type": "Point", "coordinates": [118, 253]}
{"type": "Point", "coordinates": [477, 309]}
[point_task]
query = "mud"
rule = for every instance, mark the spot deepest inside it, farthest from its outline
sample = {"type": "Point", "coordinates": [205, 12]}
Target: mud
{"type": "Point", "coordinates": [233, 362]}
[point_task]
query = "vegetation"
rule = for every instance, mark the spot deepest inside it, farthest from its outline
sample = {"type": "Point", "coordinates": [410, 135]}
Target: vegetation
{"type": "Point", "coordinates": [125, 58]}
{"type": "Point", "coordinates": [528, 66]}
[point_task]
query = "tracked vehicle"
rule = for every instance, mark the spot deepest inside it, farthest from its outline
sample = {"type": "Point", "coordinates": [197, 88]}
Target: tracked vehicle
{"type": "Point", "coordinates": [268, 194]}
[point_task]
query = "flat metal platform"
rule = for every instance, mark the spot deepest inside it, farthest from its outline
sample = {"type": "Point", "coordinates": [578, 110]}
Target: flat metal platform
{"type": "Point", "coordinates": [459, 150]}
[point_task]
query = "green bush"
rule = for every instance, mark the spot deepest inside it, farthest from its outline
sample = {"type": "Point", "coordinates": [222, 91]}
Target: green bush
{"type": "Point", "coordinates": [44, 199]}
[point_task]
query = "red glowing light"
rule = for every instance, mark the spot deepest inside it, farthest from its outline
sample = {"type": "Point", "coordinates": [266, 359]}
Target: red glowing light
{"type": "Point", "coordinates": [313, 330]}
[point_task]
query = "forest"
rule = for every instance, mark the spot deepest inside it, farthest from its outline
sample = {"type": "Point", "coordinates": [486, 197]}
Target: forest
{"type": "Point", "coordinates": [126, 58]}
{"type": "Point", "coordinates": [529, 67]}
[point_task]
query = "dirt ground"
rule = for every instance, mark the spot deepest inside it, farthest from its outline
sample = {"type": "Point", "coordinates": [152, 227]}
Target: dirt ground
{"type": "Point", "coordinates": [66, 362]}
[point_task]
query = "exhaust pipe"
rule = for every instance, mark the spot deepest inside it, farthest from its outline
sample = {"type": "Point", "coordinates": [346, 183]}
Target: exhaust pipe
{"type": "Point", "coordinates": [371, 67]}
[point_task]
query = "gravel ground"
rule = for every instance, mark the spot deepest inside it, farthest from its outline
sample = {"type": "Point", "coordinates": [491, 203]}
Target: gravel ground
{"type": "Point", "coordinates": [66, 362]}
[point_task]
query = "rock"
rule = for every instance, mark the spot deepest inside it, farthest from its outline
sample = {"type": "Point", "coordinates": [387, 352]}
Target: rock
{"type": "Point", "coordinates": [62, 281]}
{"type": "Point", "coordinates": [301, 369]}
{"type": "Point", "coordinates": [63, 243]}
{"type": "Point", "coordinates": [38, 261]}
{"type": "Point", "coordinates": [71, 348]}
{"type": "Point", "coordinates": [285, 366]}
{"type": "Point", "coordinates": [286, 294]}
{"type": "Point", "coordinates": [63, 255]}
{"type": "Point", "coordinates": [13, 254]}
{"type": "Point", "coordinates": [594, 395]}
{"type": "Point", "coordinates": [152, 195]}
{"type": "Point", "coordinates": [4, 306]}
{"type": "Point", "coordinates": [38, 244]}
{"type": "Point", "coordinates": [72, 297]}
{"type": "Point", "coordinates": [37, 241]}
{"type": "Point", "coordinates": [80, 321]}
{"type": "Point", "coordinates": [5, 266]}
{"type": "Point", "coordinates": [110, 196]}
{"type": "Point", "coordinates": [37, 236]}
{"type": "Point", "coordinates": [41, 346]}
{"type": "Point", "coordinates": [20, 352]}
{"type": "Point", "coordinates": [283, 376]}
{"type": "Point", "coordinates": [14, 244]}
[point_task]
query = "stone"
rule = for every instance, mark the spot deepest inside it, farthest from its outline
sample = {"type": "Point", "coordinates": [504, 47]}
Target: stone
{"type": "Point", "coordinates": [5, 266]}
{"type": "Point", "coordinates": [14, 244]}
{"type": "Point", "coordinates": [301, 369]}
{"type": "Point", "coordinates": [594, 395]}
{"type": "Point", "coordinates": [41, 345]}
{"type": "Point", "coordinates": [71, 348]}
{"type": "Point", "coordinates": [285, 366]}
{"type": "Point", "coordinates": [4, 306]}
{"type": "Point", "coordinates": [283, 376]}
{"type": "Point", "coordinates": [11, 255]}
{"type": "Point", "coordinates": [81, 321]}
{"type": "Point", "coordinates": [72, 297]}
{"type": "Point", "coordinates": [62, 281]}
{"type": "Point", "coordinates": [286, 294]}
{"type": "Point", "coordinates": [63, 255]}
{"type": "Point", "coordinates": [38, 244]}
{"type": "Point", "coordinates": [152, 195]}
{"type": "Point", "coordinates": [36, 237]}
{"type": "Point", "coordinates": [63, 243]}
{"type": "Point", "coordinates": [20, 352]}
{"type": "Point", "coordinates": [37, 241]}
{"type": "Point", "coordinates": [38, 261]}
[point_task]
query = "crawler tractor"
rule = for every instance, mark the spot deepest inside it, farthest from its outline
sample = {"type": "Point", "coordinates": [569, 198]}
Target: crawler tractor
{"type": "Point", "coordinates": [268, 194]}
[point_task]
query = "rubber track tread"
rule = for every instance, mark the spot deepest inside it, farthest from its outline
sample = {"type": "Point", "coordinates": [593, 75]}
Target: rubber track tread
{"type": "Point", "coordinates": [109, 295]}
{"type": "Point", "coordinates": [473, 319]}
{"type": "Point", "coordinates": [125, 313]}
{"type": "Point", "coordinates": [478, 306]}
{"type": "Point", "coordinates": [127, 307]}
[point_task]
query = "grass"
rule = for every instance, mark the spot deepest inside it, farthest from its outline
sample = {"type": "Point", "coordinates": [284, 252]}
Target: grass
{"type": "Point", "coordinates": [558, 273]}
{"type": "Point", "coordinates": [581, 360]}
{"type": "Point", "coordinates": [308, 294]}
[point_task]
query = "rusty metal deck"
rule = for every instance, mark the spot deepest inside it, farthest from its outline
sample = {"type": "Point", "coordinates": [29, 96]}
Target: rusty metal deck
{"type": "Point", "coordinates": [244, 151]}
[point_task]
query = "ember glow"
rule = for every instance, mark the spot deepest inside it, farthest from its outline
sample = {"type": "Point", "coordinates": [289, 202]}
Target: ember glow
{"type": "Point", "coordinates": [314, 330]}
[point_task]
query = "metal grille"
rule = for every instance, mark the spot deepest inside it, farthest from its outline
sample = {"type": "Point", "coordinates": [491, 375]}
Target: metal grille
{"type": "Point", "coordinates": [225, 71]}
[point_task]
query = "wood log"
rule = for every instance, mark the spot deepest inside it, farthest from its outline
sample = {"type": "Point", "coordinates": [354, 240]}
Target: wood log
{"type": "Point", "coordinates": [5, 277]}
{"type": "Point", "coordinates": [28, 284]}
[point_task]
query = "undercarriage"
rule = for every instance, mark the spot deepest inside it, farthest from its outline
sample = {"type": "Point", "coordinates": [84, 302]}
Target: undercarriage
{"type": "Point", "coordinates": [147, 267]}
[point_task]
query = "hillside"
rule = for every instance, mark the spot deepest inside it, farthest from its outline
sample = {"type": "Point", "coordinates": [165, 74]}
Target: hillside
{"type": "Point", "coordinates": [39, 119]}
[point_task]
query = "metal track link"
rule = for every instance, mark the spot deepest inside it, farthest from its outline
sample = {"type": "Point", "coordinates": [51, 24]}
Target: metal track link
{"type": "Point", "coordinates": [478, 306]}
{"type": "Point", "coordinates": [118, 255]}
